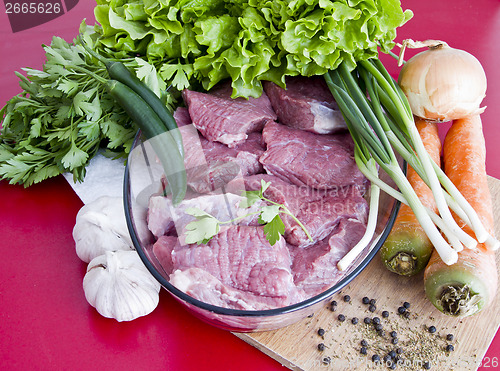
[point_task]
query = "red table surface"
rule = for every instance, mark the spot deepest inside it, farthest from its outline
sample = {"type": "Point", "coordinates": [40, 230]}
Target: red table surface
{"type": "Point", "coordinates": [45, 321]}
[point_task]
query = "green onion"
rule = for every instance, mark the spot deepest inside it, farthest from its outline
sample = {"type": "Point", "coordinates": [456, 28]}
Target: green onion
{"type": "Point", "coordinates": [381, 123]}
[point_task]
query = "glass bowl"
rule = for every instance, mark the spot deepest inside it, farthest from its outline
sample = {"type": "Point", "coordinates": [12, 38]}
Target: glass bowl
{"type": "Point", "coordinates": [143, 178]}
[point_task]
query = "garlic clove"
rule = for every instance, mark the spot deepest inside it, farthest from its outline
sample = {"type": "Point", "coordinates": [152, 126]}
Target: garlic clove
{"type": "Point", "coordinates": [101, 226]}
{"type": "Point", "coordinates": [119, 286]}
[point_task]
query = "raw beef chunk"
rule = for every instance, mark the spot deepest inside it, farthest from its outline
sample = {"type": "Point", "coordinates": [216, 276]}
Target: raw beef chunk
{"type": "Point", "coordinates": [319, 210]}
{"type": "Point", "coordinates": [306, 104]}
{"type": "Point", "coordinates": [212, 165]}
{"type": "Point", "coordinates": [315, 267]}
{"type": "Point", "coordinates": [220, 118]}
{"type": "Point", "coordinates": [308, 159]}
{"type": "Point", "coordinates": [201, 285]}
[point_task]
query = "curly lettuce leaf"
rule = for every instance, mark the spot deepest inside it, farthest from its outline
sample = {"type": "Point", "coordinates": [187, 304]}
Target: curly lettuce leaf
{"type": "Point", "coordinates": [198, 42]}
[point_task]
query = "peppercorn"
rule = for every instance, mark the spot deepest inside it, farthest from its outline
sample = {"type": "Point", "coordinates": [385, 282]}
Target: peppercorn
{"type": "Point", "coordinates": [365, 300]}
{"type": "Point", "coordinates": [398, 351]}
{"type": "Point", "coordinates": [393, 334]}
{"type": "Point", "coordinates": [376, 320]}
{"type": "Point", "coordinates": [363, 350]}
{"type": "Point", "coordinates": [401, 310]}
{"type": "Point", "coordinates": [364, 343]}
{"type": "Point", "coordinates": [381, 333]}
{"type": "Point", "coordinates": [372, 308]}
{"type": "Point", "coordinates": [327, 360]}
{"type": "Point", "coordinates": [379, 327]}
{"type": "Point", "coordinates": [334, 303]}
{"type": "Point", "coordinates": [321, 332]}
{"type": "Point", "coordinates": [387, 358]}
{"type": "Point", "coordinates": [392, 353]}
{"type": "Point", "coordinates": [367, 320]}
{"type": "Point", "coordinates": [450, 348]}
{"type": "Point", "coordinates": [432, 329]}
{"type": "Point", "coordinates": [394, 341]}
{"type": "Point", "coordinates": [406, 305]}
{"type": "Point", "coordinates": [321, 346]}
{"type": "Point", "coordinates": [373, 302]}
{"type": "Point", "coordinates": [341, 318]}
{"type": "Point", "coordinates": [333, 308]}
{"type": "Point", "coordinates": [392, 365]}
{"type": "Point", "coordinates": [375, 358]}
{"type": "Point", "coordinates": [354, 320]}
{"type": "Point", "coordinates": [449, 337]}
{"type": "Point", "coordinates": [427, 365]}
{"type": "Point", "coordinates": [385, 314]}
{"type": "Point", "coordinates": [407, 314]}
{"type": "Point", "coordinates": [347, 298]}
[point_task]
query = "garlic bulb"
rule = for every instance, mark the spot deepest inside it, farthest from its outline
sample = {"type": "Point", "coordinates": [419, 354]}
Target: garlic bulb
{"type": "Point", "coordinates": [101, 226]}
{"type": "Point", "coordinates": [443, 83]}
{"type": "Point", "coordinates": [119, 286]}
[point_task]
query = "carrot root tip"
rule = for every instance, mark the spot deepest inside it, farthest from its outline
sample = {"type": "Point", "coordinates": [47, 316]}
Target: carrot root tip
{"type": "Point", "coordinates": [459, 301]}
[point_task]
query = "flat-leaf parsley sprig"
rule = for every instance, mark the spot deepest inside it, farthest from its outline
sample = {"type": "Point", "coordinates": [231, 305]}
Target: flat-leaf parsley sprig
{"type": "Point", "coordinates": [206, 225]}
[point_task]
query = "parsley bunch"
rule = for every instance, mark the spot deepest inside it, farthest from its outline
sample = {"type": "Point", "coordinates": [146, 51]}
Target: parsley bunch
{"type": "Point", "coordinates": [65, 115]}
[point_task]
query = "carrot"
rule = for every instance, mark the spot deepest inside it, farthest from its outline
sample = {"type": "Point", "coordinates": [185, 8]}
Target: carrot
{"type": "Point", "coordinates": [407, 249]}
{"type": "Point", "coordinates": [469, 285]}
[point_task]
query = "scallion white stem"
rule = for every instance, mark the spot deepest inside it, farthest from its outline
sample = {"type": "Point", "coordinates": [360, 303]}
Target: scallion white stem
{"type": "Point", "coordinates": [371, 225]}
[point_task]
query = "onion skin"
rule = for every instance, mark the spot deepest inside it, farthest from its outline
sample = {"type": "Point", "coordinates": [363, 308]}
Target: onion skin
{"type": "Point", "coordinates": [443, 84]}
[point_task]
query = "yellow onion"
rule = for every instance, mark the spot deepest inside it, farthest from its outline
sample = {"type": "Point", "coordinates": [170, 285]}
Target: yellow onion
{"type": "Point", "coordinates": [443, 83]}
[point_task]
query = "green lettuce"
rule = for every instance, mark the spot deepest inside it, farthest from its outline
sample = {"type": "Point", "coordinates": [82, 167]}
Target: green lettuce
{"type": "Point", "coordinates": [199, 43]}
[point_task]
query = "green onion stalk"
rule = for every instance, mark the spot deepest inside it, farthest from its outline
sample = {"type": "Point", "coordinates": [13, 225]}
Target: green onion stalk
{"type": "Point", "coordinates": [380, 121]}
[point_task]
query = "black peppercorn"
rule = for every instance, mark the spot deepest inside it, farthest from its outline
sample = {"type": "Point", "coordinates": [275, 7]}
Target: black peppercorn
{"type": "Point", "coordinates": [354, 321]}
{"type": "Point", "coordinates": [381, 333]}
{"type": "Point", "coordinates": [321, 346]}
{"type": "Point", "coordinates": [375, 358]}
{"type": "Point", "coordinates": [365, 300]}
{"type": "Point", "coordinates": [385, 314]}
{"type": "Point", "coordinates": [427, 365]}
{"type": "Point", "coordinates": [393, 334]}
{"type": "Point", "coordinates": [401, 310]}
{"type": "Point", "coordinates": [394, 341]}
{"type": "Point", "coordinates": [367, 320]}
{"type": "Point", "coordinates": [449, 337]}
{"type": "Point", "coordinates": [347, 298]}
{"type": "Point", "coordinates": [393, 353]}
{"type": "Point", "coordinates": [376, 320]}
{"type": "Point", "coordinates": [364, 343]}
{"type": "Point", "coordinates": [321, 332]}
{"type": "Point", "coordinates": [432, 329]}
{"type": "Point", "coordinates": [450, 348]}
{"type": "Point", "coordinates": [398, 350]}
{"type": "Point", "coordinates": [327, 360]}
{"type": "Point", "coordinates": [387, 358]}
{"type": "Point", "coordinates": [379, 327]}
{"type": "Point", "coordinates": [341, 318]}
{"type": "Point", "coordinates": [391, 365]}
{"type": "Point", "coordinates": [373, 302]}
{"type": "Point", "coordinates": [363, 350]}
{"type": "Point", "coordinates": [334, 303]}
{"type": "Point", "coordinates": [406, 305]}
{"type": "Point", "coordinates": [372, 308]}
{"type": "Point", "coordinates": [407, 314]}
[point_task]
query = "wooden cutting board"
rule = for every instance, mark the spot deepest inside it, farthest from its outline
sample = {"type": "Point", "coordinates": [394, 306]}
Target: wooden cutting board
{"type": "Point", "coordinates": [296, 346]}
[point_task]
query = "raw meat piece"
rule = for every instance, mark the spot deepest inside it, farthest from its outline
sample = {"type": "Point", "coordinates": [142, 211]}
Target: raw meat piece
{"type": "Point", "coordinates": [201, 285]}
{"type": "Point", "coordinates": [242, 258]}
{"type": "Point", "coordinates": [304, 158]}
{"type": "Point", "coordinates": [162, 249]}
{"type": "Point", "coordinates": [212, 165]}
{"type": "Point", "coordinates": [306, 104]}
{"type": "Point", "coordinates": [315, 267]}
{"type": "Point", "coordinates": [220, 118]}
{"type": "Point", "coordinates": [319, 210]}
